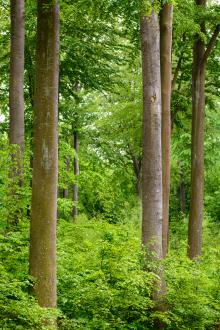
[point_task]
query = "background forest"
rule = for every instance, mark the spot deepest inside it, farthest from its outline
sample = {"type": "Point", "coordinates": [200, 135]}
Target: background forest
{"type": "Point", "coordinates": [106, 271]}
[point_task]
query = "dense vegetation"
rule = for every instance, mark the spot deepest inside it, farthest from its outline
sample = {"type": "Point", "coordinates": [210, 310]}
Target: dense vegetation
{"type": "Point", "coordinates": [106, 276]}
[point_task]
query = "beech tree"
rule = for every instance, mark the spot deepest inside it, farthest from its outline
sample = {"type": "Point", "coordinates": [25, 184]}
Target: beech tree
{"type": "Point", "coordinates": [166, 17]}
{"type": "Point", "coordinates": [151, 135]}
{"type": "Point", "coordinates": [200, 57]}
{"type": "Point", "coordinates": [16, 94]}
{"type": "Point", "coordinates": [45, 163]}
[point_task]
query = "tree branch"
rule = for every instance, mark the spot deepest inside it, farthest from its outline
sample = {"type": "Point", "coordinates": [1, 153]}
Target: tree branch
{"type": "Point", "coordinates": [211, 44]}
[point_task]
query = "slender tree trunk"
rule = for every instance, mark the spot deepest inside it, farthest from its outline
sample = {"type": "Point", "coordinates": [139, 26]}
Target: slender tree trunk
{"type": "Point", "coordinates": [30, 73]}
{"type": "Point", "coordinates": [139, 184]}
{"type": "Point", "coordinates": [137, 165]}
{"type": "Point", "coordinates": [16, 94]}
{"type": "Point", "coordinates": [152, 153]}
{"type": "Point", "coordinates": [166, 18]}
{"type": "Point", "coordinates": [31, 88]}
{"type": "Point", "coordinates": [16, 107]}
{"type": "Point", "coordinates": [45, 165]}
{"type": "Point", "coordinates": [76, 173]}
{"type": "Point", "coordinates": [197, 155]}
{"type": "Point", "coordinates": [66, 190]}
{"type": "Point", "coordinates": [182, 197]}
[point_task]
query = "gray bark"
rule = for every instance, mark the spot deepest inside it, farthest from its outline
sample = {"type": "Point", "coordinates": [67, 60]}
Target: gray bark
{"type": "Point", "coordinates": [152, 152]}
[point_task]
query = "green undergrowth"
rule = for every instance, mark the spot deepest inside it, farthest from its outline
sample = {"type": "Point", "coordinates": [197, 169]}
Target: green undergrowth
{"type": "Point", "coordinates": [104, 281]}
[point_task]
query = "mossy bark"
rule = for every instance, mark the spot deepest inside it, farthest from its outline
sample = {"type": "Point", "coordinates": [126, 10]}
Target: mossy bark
{"type": "Point", "coordinates": [45, 158]}
{"type": "Point", "coordinates": [197, 151]}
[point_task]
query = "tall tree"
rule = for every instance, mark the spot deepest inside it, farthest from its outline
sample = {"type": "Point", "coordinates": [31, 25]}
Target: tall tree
{"type": "Point", "coordinates": [76, 173]}
{"type": "Point", "coordinates": [45, 162]}
{"type": "Point", "coordinates": [166, 17]}
{"type": "Point", "coordinates": [200, 56]}
{"type": "Point", "coordinates": [16, 94]}
{"type": "Point", "coordinates": [152, 153]}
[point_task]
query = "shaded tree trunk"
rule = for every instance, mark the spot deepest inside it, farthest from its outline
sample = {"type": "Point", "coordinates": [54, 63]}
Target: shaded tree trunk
{"type": "Point", "coordinates": [197, 155]}
{"type": "Point", "coordinates": [200, 56]}
{"type": "Point", "coordinates": [76, 173]}
{"type": "Point", "coordinates": [182, 197]}
{"type": "Point", "coordinates": [16, 94]}
{"type": "Point", "coordinates": [166, 18]}
{"type": "Point", "coordinates": [66, 190]}
{"type": "Point", "coordinates": [152, 153]}
{"type": "Point", "coordinates": [45, 160]}
{"type": "Point", "coordinates": [137, 165]}
{"type": "Point", "coordinates": [16, 107]}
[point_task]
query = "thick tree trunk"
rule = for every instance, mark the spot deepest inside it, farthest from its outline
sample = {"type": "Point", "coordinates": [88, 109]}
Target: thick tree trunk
{"type": "Point", "coordinates": [76, 173]}
{"type": "Point", "coordinates": [152, 153]}
{"type": "Point", "coordinates": [197, 155]}
{"type": "Point", "coordinates": [16, 94]}
{"type": "Point", "coordinates": [45, 165]}
{"type": "Point", "coordinates": [166, 18]}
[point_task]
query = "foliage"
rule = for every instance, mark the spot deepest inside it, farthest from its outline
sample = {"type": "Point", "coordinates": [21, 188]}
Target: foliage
{"type": "Point", "coordinates": [103, 282]}
{"type": "Point", "coordinates": [193, 286]}
{"type": "Point", "coordinates": [18, 310]}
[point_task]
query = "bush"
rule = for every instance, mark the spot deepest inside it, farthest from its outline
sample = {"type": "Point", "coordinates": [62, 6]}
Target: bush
{"type": "Point", "coordinates": [102, 284]}
{"type": "Point", "coordinates": [18, 310]}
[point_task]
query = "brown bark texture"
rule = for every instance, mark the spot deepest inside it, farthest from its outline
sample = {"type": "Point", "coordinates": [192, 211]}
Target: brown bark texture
{"type": "Point", "coordinates": [76, 173]}
{"type": "Point", "coordinates": [197, 151]}
{"type": "Point", "coordinates": [66, 190]}
{"type": "Point", "coordinates": [166, 18]}
{"type": "Point", "coordinates": [200, 57]}
{"type": "Point", "coordinates": [137, 164]}
{"type": "Point", "coordinates": [16, 94]}
{"type": "Point", "coordinates": [45, 162]}
{"type": "Point", "coordinates": [151, 135]}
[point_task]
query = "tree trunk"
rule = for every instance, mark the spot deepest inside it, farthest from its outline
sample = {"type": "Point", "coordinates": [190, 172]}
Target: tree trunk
{"type": "Point", "coordinates": [166, 18]}
{"type": "Point", "coordinates": [66, 190]}
{"type": "Point", "coordinates": [197, 152]}
{"type": "Point", "coordinates": [76, 173]}
{"type": "Point", "coordinates": [137, 165]}
{"type": "Point", "coordinates": [152, 153]}
{"type": "Point", "coordinates": [182, 197]}
{"type": "Point", "coordinates": [16, 107]}
{"type": "Point", "coordinates": [16, 94]}
{"type": "Point", "coordinates": [45, 164]}
{"type": "Point", "coordinates": [200, 57]}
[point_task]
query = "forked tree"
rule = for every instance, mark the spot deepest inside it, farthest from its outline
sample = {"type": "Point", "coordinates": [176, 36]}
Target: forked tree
{"type": "Point", "coordinates": [200, 57]}
{"type": "Point", "coordinates": [45, 158]}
